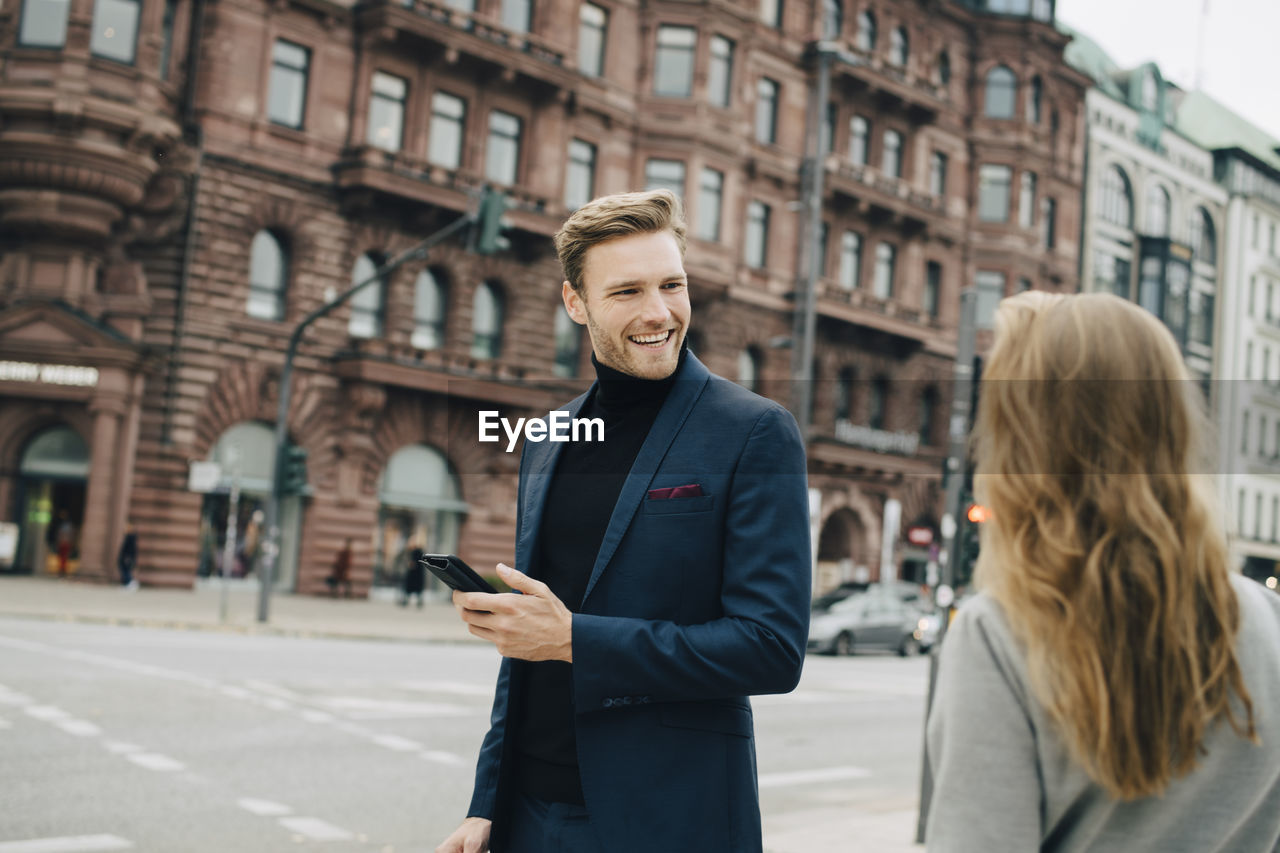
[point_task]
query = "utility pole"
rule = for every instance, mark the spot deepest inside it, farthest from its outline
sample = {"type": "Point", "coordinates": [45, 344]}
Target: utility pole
{"type": "Point", "coordinates": [492, 205]}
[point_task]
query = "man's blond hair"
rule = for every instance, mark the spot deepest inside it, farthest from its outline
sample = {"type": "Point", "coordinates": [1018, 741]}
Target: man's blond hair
{"type": "Point", "coordinates": [613, 216]}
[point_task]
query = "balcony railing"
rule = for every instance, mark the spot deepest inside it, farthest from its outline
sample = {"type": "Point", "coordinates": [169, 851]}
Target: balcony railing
{"type": "Point", "coordinates": [893, 193]}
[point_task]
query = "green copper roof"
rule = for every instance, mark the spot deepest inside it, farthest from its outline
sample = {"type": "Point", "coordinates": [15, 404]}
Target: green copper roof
{"type": "Point", "coordinates": [1085, 55]}
{"type": "Point", "coordinates": [1212, 125]}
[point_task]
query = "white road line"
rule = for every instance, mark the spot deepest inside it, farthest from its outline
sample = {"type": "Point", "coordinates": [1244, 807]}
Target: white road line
{"type": "Point", "coordinates": [456, 687]}
{"type": "Point", "coordinates": [80, 728]}
{"type": "Point", "coordinates": [265, 808]}
{"type": "Point", "coordinates": [121, 748]}
{"type": "Point", "coordinates": [275, 704]}
{"type": "Point", "coordinates": [441, 757]}
{"type": "Point", "coordinates": [809, 777]}
{"type": "Point", "coordinates": [13, 697]}
{"type": "Point", "coordinates": [314, 828]}
{"type": "Point", "coordinates": [268, 687]}
{"type": "Point", "coordinates": [400, 744]}
{"type": "Point", "coordinates": [48, 713]}
{"type": "Point", "coordinates": [313, 716]}
{"type": "Point", "coordinates": [155, 761]}
{"type": "Point", "coordinates": [67, 844]}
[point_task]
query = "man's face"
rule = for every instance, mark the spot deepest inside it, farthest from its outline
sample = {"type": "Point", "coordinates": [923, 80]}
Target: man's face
{"type": "Point", "coordinates": [634, 303]}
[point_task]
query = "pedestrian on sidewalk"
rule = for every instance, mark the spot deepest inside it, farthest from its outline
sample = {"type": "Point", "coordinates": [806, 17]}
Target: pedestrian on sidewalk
{"type": "Point", "coordinates": [341, 574]}
{"type": "Point", "coordinates": [415, 577]}
{"type": "Point", "coordinates": [1113, 686]}
{"type": "Point", "coordinates": [64, 539]}
{"type": "Point", "coordinates": [127, 558]}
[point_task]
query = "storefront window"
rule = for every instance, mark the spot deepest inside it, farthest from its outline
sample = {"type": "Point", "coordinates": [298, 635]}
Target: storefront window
{"type": "Point", "coordinates": [421, 511]}
{"type": "Point", "coordinates": [53, 473]}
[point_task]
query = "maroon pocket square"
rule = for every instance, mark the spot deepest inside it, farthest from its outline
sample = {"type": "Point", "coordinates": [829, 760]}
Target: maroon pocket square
{"type": "Point", "coordinates": [693, 490]}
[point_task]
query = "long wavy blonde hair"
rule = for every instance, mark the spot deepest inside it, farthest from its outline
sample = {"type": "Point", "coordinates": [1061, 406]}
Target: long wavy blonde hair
{"type": "Point", "coordinates": [1105, 550]}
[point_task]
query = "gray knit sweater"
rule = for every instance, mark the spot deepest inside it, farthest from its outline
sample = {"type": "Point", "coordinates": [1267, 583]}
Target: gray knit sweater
{"type": "Point", "coordinates": [1003, 781]}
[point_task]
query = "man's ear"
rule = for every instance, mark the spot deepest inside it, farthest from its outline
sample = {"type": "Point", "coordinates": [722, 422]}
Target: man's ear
{"type": "Point", "coordinates": [573, 304]}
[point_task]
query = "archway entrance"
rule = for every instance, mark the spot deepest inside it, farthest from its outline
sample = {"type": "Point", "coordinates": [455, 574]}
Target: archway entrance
{"type": "Point", "coordinates": [842, 549]}
{"type": "Point", "coordinates": [420, 509]}
{"type": "Point", "coordinates": [246, 452]}
{"type": "Point", "coordinates": [52, 477]}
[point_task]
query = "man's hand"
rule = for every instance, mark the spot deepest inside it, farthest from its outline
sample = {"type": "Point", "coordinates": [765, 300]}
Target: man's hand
{"type": "Point", "coordinates": [471, 837]}
{"type": "Point", "coordinates": [534, 626]}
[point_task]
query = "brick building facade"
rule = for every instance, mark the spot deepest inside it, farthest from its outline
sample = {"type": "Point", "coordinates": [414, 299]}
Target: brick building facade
{"type": "Point", "coordinates": [171, 208]}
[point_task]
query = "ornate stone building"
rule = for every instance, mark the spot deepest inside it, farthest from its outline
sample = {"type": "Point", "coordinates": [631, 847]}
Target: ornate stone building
{"type": "Point", "coordinates": [181, 182]}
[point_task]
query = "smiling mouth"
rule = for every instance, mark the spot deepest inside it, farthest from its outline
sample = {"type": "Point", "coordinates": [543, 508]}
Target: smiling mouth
{"type": "Point", "coordinates": [656, 340]}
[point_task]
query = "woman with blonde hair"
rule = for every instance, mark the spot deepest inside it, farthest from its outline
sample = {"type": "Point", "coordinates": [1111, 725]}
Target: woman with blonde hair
{"type": "Point", "coordinates": [1114, 686]}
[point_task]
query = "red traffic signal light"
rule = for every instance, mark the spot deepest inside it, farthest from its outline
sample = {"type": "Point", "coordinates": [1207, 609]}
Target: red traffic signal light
{"type": "Point", "coordinates": [978, 513]}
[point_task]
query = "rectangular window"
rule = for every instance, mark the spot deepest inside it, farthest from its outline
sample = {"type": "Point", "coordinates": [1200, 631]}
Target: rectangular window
{"type": "Point", "coordinates": [766, 111]}
{"type": "Point", "coordinates": [166, 32]}
{"type": "Point", "coordinates": [1248, 359]}
{"type": "Point", "coordinates": [1253, 292]}
{"type": "Point", "coordinates": [771, 13]}
{"type": "Point", "coordinates": [516, 15]}
{"type": "Point", "coordinates": [1271, 240]}
{"type": "Point", "coordinates": [1240, 510]}
{"type": "Point", "coordinates": [1050, 214]}
{"type": "Point", "coordinates": [386, 111]}
{"type": "Point", "coordinates": [993, 193]}
{"type": "Point", "coordinates": [502, 157]}
{"type": "Point", "coordinates": [932, 288]}
{"type": "Point", "coordinates": [859, 130]}
{"type": "Point", "coordinates": [710, 196]}
{"type": "Point", "coordinates": [990, 287]}
{"type": "Point", "coordinates": [850, 260]}
{"type": "Point", "coordinates": [1257, 516]}
{"type": "Point", "coordinates": [1027, 200]}
{"type": "Point", "coordinates": [720, 74]}
{"type": "Point", "coordinates": [580, 179]}
{"type": "Point", "coordinates": [891, 161]}
{"type": "Point", "coordinates": [757, 242]}
{"type": "Point", "coordinates": [44, 23]}
{"type": "Point", "coordinates": [287, 90]}
{"type": "Point", "coordinates": [824, 234]}
{"type": "Point", "coordinates": [938, 175]}
{"type": "Point", "coordinates": [886, 260]}
{"type": "Point", "coordinates": [593, 23]}
{"type": "Point", "coordinates": [448, 117]}
{"type": "Point", "coordinates": [1202, 318]}
{"type": "Point", "coordinates": [665, 175]}
{"type": "Point", "coordinates": [1151, 286]}
{"type": "Point", "coordinates": [115, 29]}
{"type": "Point", "coordinates": [1275, 513]}
{"type": "Point", "coordinates": [827, 139]}
{"type": "Point", "coordinates": [673, 67]}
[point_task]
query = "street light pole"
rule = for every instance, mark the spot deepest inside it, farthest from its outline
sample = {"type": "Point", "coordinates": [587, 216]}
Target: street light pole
{"type": "Point", "coordinates": [806, 308]}
{"type": "Point", "coordinates": [271, 548]}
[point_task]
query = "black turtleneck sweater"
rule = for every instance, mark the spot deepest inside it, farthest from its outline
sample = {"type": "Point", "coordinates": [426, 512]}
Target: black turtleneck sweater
{"type": "Point", "coordinates": [580, 498]}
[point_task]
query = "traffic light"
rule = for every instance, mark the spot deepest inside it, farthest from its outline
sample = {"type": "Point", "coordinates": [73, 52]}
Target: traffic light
{"type": "Point", "coordinates": [489, 223]}
{"type": "Point", "coordinates": [293, 476]}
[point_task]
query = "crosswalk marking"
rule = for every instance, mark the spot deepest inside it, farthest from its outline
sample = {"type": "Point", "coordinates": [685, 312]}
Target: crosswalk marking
{"type": "Point", "coordinates": [400, 744]}
{"type": "Point", "coordinates": [155, 761]}
{"type": "Point", "coordinates": [264, 808]}
{"type": "Point", "coordinates": [80, 728]}
{"type": "Point", "coordinates": [314, 828]}
{"type": "Point", "coordinates": [809, 777]}
{"type": "Point", "coordinates": [67, 844]}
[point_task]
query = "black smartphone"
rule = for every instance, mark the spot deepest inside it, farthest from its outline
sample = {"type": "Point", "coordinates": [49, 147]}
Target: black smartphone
{"type": "Point", "coordinates": [455, 574]}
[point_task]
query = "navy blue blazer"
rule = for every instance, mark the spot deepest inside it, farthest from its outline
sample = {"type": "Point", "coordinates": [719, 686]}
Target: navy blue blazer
{"type": "Point", "coordinates": [694, 603]}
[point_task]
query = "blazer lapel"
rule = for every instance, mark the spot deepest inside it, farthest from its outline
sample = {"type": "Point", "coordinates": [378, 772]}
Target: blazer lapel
{"type": "Point", "coordinates": [688, 386]}
{"type": "Point", "coordinates": [542, 458]}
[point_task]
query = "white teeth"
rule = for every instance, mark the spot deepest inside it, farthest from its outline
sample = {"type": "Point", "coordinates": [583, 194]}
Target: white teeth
{"type": "Point", "coordinates": [651, 339]}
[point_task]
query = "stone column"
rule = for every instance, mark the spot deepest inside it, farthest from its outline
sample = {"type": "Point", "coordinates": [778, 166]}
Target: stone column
{"type": "Point", "coordinates": [98, 535]}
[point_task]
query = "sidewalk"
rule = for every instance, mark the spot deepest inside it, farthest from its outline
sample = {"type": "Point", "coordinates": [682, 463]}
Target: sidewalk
{"type": "Point", "coordinates": [887, 828]}
{"type": "Point", "coordinates": [199, 609]}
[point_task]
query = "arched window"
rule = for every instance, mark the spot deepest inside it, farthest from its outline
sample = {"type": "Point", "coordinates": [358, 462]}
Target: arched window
{"type": "Point", "coordinates": [891, 159]}
{"type": "Point", "coordinates": [832, 19]}
{"type": "Point", "coordinates": [486, 323]}
{"type": "Point", "coordinates": [1204, 239]}
{"type": "Point", "coordinates": [268, 277]}
{"type": "Point", "coordinates": [748, 369]}
{"type": "Point", "coordinates": [898, 47]}
{"type": "Point", "coordinates": [429, 301]}
{"type": "Point", "coordinates": [865, 40]}
{"type": "Point", "coordinates": [1116, 197]}
{"type": "Point", "coordinates": [366, 305]}
{"type": "Point", "coordinates": [859, 131]}
{"type": "Point", "coordinates": [1157, 218]}
{"type": "Point", "coordinates": [1002, 92]}
{"type": "Point", "coordinates": [944, 69]}
{"type": "Point", "coordinates": [56, 452]}
{"type": "Point", "coordinates": [1035, 98]}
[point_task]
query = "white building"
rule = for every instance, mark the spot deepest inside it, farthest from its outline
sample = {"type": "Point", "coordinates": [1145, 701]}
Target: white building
{"type": "Point", "coordinates": [1247, 165]}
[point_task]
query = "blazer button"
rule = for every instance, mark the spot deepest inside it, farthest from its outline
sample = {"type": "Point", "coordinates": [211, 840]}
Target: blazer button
{"type": "Point", "coordinates": [608, 703]}
{"type": "Point", "coordinates": [626, 700]}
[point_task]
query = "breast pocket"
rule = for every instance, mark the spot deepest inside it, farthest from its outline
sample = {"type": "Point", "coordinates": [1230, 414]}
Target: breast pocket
{"type": "Point", "coordinates": [677, 506]}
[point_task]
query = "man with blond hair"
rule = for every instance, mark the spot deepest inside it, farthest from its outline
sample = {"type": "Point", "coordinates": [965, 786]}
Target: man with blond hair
{"type": "Point", "coordinates": [665, 575]}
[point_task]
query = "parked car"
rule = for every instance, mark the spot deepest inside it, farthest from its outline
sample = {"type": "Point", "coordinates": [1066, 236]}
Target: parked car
{"type": "Point", "coordinates": [864, 621]}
